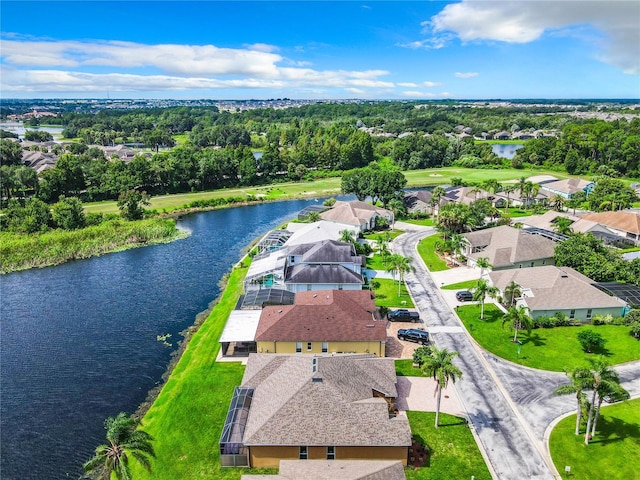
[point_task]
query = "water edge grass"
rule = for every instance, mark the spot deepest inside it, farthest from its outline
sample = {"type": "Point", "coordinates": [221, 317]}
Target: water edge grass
{"type": "Point", "coordinates": [23, 251]}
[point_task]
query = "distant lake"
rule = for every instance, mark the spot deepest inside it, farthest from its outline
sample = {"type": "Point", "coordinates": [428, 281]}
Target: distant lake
{"type": "Point", "coordinates": [19, 129]}
{"type": "Point", "coordinates": [505, 150]}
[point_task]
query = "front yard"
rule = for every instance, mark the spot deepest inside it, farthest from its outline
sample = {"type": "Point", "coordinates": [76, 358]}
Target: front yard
{"type": "Point", "coordinates": [387, 294]}
{"type": "Point", "coordinates": [427, 250]}
{"type": "Point", "coordinates": [546, 348]}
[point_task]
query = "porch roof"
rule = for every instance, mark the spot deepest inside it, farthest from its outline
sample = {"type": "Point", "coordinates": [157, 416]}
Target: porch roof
{"type": "Point", "coordinates": [241, 326]}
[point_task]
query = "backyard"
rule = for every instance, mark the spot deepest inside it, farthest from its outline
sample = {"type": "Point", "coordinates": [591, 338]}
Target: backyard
{"type": "Point", "coordinates": [545, 348]}
{"type": "Point", "coordinates": [613, 452]}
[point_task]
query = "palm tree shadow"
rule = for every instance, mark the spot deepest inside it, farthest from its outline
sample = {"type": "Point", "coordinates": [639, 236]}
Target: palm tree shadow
{"type": "Point", "coordinates": [535, 339]}
{"type": "Point", "coordinates": [604, 351]}
{"type": "Point", "coordinates": [612, 430]}
{"type": "Point", "coordinates": [460, 421]}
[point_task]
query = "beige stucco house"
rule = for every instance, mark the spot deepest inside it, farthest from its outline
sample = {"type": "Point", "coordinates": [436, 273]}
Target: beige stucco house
{"type": "Point", "coordinates": [356, 213]}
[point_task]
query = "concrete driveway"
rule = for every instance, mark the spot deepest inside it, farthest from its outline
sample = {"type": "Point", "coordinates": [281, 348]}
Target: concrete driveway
{"type": "Point", "coordinates": [417, 393]}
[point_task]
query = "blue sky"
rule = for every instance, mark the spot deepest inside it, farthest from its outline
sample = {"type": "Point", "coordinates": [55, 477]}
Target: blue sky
{"type": "Point", "coordinates": [470, 49]}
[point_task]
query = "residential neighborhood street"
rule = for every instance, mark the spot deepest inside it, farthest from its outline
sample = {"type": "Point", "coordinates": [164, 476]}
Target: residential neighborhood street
{"type": "Point", "coordinates": [509, 406]}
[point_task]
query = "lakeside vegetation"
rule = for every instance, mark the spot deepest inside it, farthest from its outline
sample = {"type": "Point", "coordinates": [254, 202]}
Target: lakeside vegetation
{"type": "Point", "coordinates": [609, 454]}
{"type": "Point", "coordinates": [545, 348]}
{"type": "Point", "coordinates": [22, 251]}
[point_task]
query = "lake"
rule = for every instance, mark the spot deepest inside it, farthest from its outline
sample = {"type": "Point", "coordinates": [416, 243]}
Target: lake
{"type": "Point", "coordinates": [19, 129]}
{"type": "Point", "coordinates": [505, 150]}
{"type": "Point", "coordinates": [78, 341]}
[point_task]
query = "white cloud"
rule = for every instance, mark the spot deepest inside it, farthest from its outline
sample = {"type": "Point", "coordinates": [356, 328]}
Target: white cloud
{"type": "Point", "coordinates": [355, 91]}
{"type": "Point", "coordinates": [431, 84]}
{"type": "Point", "coordinates": [417, 94]}
{"type": "Point", "coordinates": [466, 74]}
{"type": "Point", "coordinates": [36, 65]}
{"type": "Point", "coordinates": [407, 84]}
{"type": "Point", "coordinates": [526, 21]}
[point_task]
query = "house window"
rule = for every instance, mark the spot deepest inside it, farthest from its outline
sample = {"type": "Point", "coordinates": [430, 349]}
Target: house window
{"type": "Point", "coordinates": [298, 347]}
{"type": "Point", "coordinates": [303, 454]}
{"type": "Point", "coordinates": [308, 287]}
{"type": "Point", "coordinates": [309, 346]}
{"type": "Point", "coordinates": [331, 453]}
{"type": "Point", "coordinates": [572, 315]}
{"type": "Point", "coordinates": [589, 314]}
{"type": "Point", "coordinates": [325, 347]}
{"type": "Point", "coordinates": [340, 286]}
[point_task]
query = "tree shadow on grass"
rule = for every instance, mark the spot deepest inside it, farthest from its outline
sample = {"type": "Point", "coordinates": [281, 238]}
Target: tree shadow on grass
{"type": "Point", "coordinates": [612, 430]}
{"type": "Point", "coordinates": [604, 351]}
{"type": "Point", "coordinates": [453, 423]}
{"type": "Point", "coordinates": [534, 339]}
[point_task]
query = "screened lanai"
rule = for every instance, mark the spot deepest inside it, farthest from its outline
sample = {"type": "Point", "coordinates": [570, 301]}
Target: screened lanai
{"type": "Point", "coordinates": [233, 453]}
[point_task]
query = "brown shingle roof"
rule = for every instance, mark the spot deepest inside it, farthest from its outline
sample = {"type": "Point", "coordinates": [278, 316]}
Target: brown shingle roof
{"type": "Point", "coordinates": [335, 470]}
{"type": "Point", "coordinates": [334, 405]}
{"type": "Point", "coordinates": [507, 246]}
{"type": "Point", "coordinates": [323, 316]}
{"type": "Point", "coordinates": [353, 213]}
{"type": "Point", "coordinates": [621, 220]}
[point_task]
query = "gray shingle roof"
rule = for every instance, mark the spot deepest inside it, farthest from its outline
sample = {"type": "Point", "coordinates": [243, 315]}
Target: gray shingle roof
{"type": "Point", "coordinates": [325, 274]}
{"type": "Point", "coordinates": [327, 251]}
{"type": "Point", "coordinates": [293, 405]}
{"type": "Point", "coordinates": [335, 470]}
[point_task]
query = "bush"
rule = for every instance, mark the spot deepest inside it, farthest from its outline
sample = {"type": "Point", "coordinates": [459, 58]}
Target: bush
{"type": "Point", "coordinates": [590, 340]}
{"type": "Point", "coordinates": [635, 329]}
{"type": "Point", "coordinates": [602, 320]}
{"type": "Point", "coordinates": [420, 353]}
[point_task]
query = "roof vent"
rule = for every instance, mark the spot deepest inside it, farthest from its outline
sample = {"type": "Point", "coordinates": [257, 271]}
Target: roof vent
{"type": "Point", "coordinates": [315, 295]}
{"type": "Point", "coordinates": [279, 311]}
{"type": "Point", "coordinates": [316, 380]}
{"type": "Point", "coordinates": [370, 325]}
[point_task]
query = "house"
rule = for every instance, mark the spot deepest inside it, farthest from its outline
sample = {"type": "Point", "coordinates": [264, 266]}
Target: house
{"type": "Point", "coordinates": [356, 213]}
{"type": "Point", "coordinates": [38, 160]}
{"type": "Point", "coordinates": [468, 195]}
{"type": "Point", "coordinates": [335, 470]}
{"type": "Point", "coordinates": [418, 202]}
{"type": "Point", "coordinates": [623, 223]}
{"type": "Point", "coordinates": [123, 153]}
{"type": "Point", "coordinates": [507, 247]}
{"type": "Point", "coordinates": [502, 136]}
{"type": "Point", "coordinates": [548, 221]}
{"type": "Point", "coordinates": [317, 231]}
{"type": "Point", "coordinates": [549, 289]}
{"type": "Point", "coordinates": [568, 187]}
{"type": "Point", "coordinates": [324, 321]}
{"type": "Point", "coordinates": [303, 407]}
{"type": "Point", "coordinates": [327, 264]}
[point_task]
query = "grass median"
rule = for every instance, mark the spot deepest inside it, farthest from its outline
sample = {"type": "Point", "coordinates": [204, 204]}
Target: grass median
{"type": "Point", "coordinates": [612, 453]}
{"type": "Point", "coordinates": [553, 349]}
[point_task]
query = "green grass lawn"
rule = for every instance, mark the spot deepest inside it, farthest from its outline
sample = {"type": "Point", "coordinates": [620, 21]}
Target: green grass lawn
{"type": "Point", "coordinates": [546, 348]}
{"type": "Point", "coordinates": [326, 187]}
{"type": "Point", "coordinates": [426, 250]}
{"type": "Point", "coordinates": [186, 419]}
{"type": "Point", "coordinates": [405, 368]}
{"type": "Point", "coordinates": [614, 452]}
{"type": "Point", "coordinates": [425, 222]}
{"type": "Point", "coordinates": [374, 235]}
{"type": "Point", "coordinates": [387, 294]}
{"type": "Point", "coordinates": [454, 452]}
{"type": "Point", "coordinates": [375, 263]}
{"type": "Point", "coordinates": [461, 285]}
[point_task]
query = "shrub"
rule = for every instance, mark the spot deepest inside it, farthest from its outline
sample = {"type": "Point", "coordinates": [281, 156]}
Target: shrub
{"type": "Point", "coordinates": [420, 353]}
{"type": "Point", "coordinates": [591, 340]}
{"type": "Point", "coordinates": [635, 329]}
{"type": "Point", "coordinates": [329, 202]}
{"type": "Point", "coordinates": [602, 320]}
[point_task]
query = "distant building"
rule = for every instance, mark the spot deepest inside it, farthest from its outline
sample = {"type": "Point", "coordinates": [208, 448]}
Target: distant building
{"type": "Point", "coordinates": [356, 213]}
{"type": "Point", "coordinates": [569, 187]}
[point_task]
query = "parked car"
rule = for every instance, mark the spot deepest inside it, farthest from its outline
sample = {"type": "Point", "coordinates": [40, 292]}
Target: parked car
{"type": "Point", "coordinates": [464, 296]}
{"type": "Point", "coordinates": [414, 335]}
{"type": "Point", "coordinates": [403, 315]}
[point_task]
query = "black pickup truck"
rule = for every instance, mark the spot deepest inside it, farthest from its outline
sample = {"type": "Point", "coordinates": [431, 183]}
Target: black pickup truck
{"type": "Point", "coordinates": [414, 335]}
{"type": "Point", "coordinates": [403, 315]}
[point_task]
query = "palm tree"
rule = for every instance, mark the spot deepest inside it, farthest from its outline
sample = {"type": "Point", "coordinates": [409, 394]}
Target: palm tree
{"type": "Point", "coordinates": [483, 263]}
{"type": "Point", "coordinates": [603, 378]}
{"type": "Point", "coordinates": [518, 318]}
{"type": "Point", "coordinates": [562, 225]}
{"type": "Point", "coordinates": [579, 380]}
{"type": "Point", "coordinates": [480, 293]}
{"type": "Point", "coordinates": [346, 236]}
{"type": "Point", "coordinates": [511, 292]}
{"type": "Point", "coordinates": [124, 439]}
{"type": "Point", "coordinates": [383, 246]}
{"type": "Point", "coordinates": [439, 365]}
{"type": "Point", "coordinates": [436, 195]}
{"type": "Point", "coordinates": [558, 202]}
{"type": "Point", "coordinates": [509, 189]}
{"type": "Point", "coordinates": [397, 264]}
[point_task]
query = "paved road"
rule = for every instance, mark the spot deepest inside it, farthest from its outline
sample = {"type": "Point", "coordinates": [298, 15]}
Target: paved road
{"type": "Point", "coordinates": [508, 442]}
{"type": "Point", "coordinates": [510, 406]}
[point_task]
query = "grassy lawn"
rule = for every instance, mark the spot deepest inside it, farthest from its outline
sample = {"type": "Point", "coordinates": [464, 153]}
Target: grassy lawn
{"type": "Point", "coordinates": [454, 452]}
{"type": "Point", "coordinates": [610, 453]}
{"type": "Point", "coordinates": [426, 249]}
{"type": "Point", "coordinates": [425, 222]}
{"type": "Point", "coordinates": [546, 348]}
{"type": "Point", "coordinates": [375, 263]}
{"type": "Point", "coordinates": [326, 187]}
{"type": "Point", "coordinates": [515, 212]}
{"type": "Point", "coordinates": [374, 235]}
{"type": "Point", "coordinates": [186, 419]}
{"type": "Point", "coordinates": [405, 368]}
{"type": "Point", "coordinates": [387, 294]}
{"type": "Point", "coordinates": [461, 285]}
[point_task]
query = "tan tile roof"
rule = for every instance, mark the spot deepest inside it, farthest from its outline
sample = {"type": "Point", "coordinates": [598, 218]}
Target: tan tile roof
{"type": "Point", "coordinates": [323, 316]}
{"type": "Point", "coordinates": [353, 213]}
{"type": "Point", "coordinates": [335, 470]}
{"type": "Point", "coordinates": [293, 405]}
{"type": "Point", "coordinates": [507, 246]}
{"type": "Point", "coordinates": [569, 185]}
{"type": "Point", "coordinates": [555, 288]}
{"type": "Point", "coordinates": [621, 220]}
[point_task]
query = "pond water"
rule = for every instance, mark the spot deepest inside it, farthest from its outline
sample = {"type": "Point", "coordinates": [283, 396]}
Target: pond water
{"type": "Point", "coordinates": [505, 150]}
{"type": "Point", "coordinates": [78, 341]}
{"type": "Point", "coordinates": [19, 129]}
